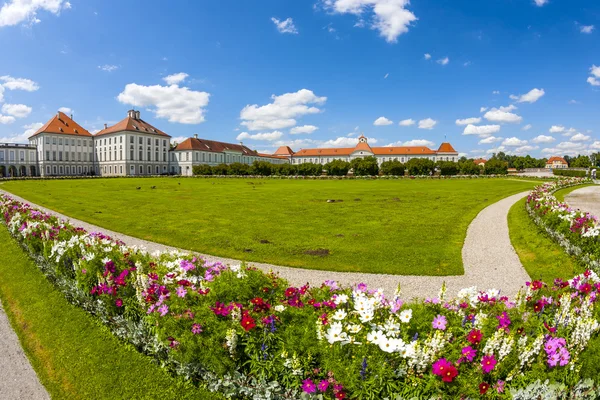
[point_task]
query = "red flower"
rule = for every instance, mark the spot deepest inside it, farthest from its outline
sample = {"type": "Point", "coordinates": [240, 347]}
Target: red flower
{"type": "Point", "coordinates": [340, 395]}
{"type": "Point", "coordinates": [450, 373]}
{"type": "Point", "coordinates": [475, 336]}
{"type": "Point", "coordinates": [483, 388]}
{"type": "Point", "coordinates": [247, 322]}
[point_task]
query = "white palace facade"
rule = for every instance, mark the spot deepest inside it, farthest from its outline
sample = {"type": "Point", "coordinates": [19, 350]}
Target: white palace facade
{"type": "Point", "coordinates": [133, 147]}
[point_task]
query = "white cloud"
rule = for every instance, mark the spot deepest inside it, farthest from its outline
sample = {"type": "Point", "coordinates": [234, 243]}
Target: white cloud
{"type": "Point", "coordinates": [390, 17]}
{"type": "Point", "coordinates": [407, 122]}
{"type": "Point", "coordinates": [344, 142]}
{"type": "Point", "coordinates": [570, 132]}
{"type": "Point", "coordinates": [303, 129]}
{"type": "Point", "coordinates": [496, 150]}
{"type": "Point", "coordinates": [175, 79]}
{"type": "Point", "coordinates": [525, 149]}
{"type": "Point", "coordinates": [286, 26]}
{"type": "Point", "coordinates": [573, 101]}
{"type": "Point", "coordinates": [282, 112]}
{"type": "Point", "coordinates": [595, 145]}
{"type": "Point", "coordinates": [412, 143]}
{"type": "Point", "coordinates": [11, 83]}
{"type": "Point", "coordinates": [466, 64]}
{"type": "Point", "coordinates": [502, 114]}
{"type": "Point", "coordinates": [66, 110]}
{"type": "Point", "coordinates": [23, 137]}
{"type": "Point", "coordinates": [177, 104]}
{"type": "Point", "coordinates": [496, 92]}
{"type": "Point", "coordinates": [269, 136]}
{"type": "Point", "coordinates": [382, 121]}
{"type": "Point", "coordinates": [108, 67]}
{"type": "Point", "coordinates": [386, 75]}
{"type": "Point", "coordinates": [468, 121]}
{"type": "Point", "coordinates": [1, 93]}
{"type": "Point", "coordinates": [556, 129]}
{"type": "Point", "coordinates": [540, 3]}
{"type": "Point", "coordinates": [580, 137]}
{"type": "Point", "coordinates": [531, 97]}
{"type": "Point", "coordinates": [514, 142]}
{"type": "Point", "coordinates": [592, 80]}
{"type": "Point", "coordinates": [481, 130]}
{"type": "Point", "coordinates": [16, 110]}
{"type": "Point", "coordinates": [586, 29]}
{"type": "Point", "coordinates": [570, 148]}
{"type": "Point", "coordinates": [427, 56]}
{"type": "Point", "coordinates": [14, 12]}
{"type": "Point", "coordinates": [595, 71]}
{"type": "Point", "coordinates": [527, 127]}
{"type": "Point", "coordinates": [483, 109]}
{"type": "Point", "coordinates": [32, 128]}
{"type": "Point", "coordinates": [543, 139]}
{"type": "Point", "coordinates": [443, 61]}
{"type": "Point", "coordinates": [490, 140]}
{"type": "Point", "coordinates": [6, 119]}
{"type": "Point", "coordinates": [427, 123]}
{"type": "Point", "coordinates": [178, 139]}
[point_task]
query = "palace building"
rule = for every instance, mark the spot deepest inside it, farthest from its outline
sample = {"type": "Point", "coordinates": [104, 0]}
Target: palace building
{"type": "Point", "coordinates": [362, 149]}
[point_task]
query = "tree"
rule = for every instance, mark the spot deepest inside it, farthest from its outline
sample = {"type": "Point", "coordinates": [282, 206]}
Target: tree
{"type": "Point", "coordinates": [366, 166]}
{"type": "Point", "coordinates": [393, 167]}
{"type": "Point", "coordinates": [262, 168]}
{"type": "Point", "coordinates": [468, 167]}
{"type": "Point", "coordinates": [447, 168]}
{"type": "Point", "coordinates": [495, 166]}
{"type": "Point", "coordinates": [310, 169]}
{"type": "Point", "coordinates": [202, 169]}
{"type": "Point", "coordinates": [337, 168]}
{"type": "Point", "coordinates": [239, 169]}
{"type": "Point", "coordinates": [284, 169]}
{"type": "Point", "coordinates": [220, 169]}
{"type": "Point", "coordinates": [581, 162]}
{"type": "Point", "coordinates": [419, 166]}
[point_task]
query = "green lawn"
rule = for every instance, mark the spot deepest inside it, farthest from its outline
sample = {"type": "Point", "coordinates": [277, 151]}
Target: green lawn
{"type": "Point", "coordinates": [542, 256]}
{"type": "Point", "coordinates": [74, 356]}
{"type": "Point", "coordinates": [562, 193]}
{"type": "Point", "coordinates": [413, 227]}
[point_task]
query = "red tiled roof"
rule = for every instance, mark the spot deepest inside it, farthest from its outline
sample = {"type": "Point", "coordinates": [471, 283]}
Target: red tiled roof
{"type": "Point", "coordinates": [63, 125]}
{"type": "Point", "coordinates": [214, 146]}
{"type": "Point", "coordinates": [272, 156]}
{"type": "Point", "coordinates": [446, 148]}
{"type": "Point", "coordinates": [552, 159]}
{"type": "Point", "coordinates": [284, 151]}
{"type": "Point", "coordinates": [480, 161]}
{"type": "Point", "coordinates": [380, 151]}
{"type": "Point", "coordinates": [132, 125]}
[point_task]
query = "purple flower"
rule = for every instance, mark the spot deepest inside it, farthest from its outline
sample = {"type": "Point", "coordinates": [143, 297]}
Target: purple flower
{"type": "Point", "coordinates": [196, 329]}
{"type": "Point", "coordinates": [181, 292]}
{"type": "Point", "coordinates": [331, 284]}
{"type": "Point", "coordinates": [323, 385]}
{"type": "Point", "coordinates": [553, 360]}
{"type": "Point", "coordinates": [163, 310]}
{"type": "Point", "coordinates": [440, 322]}
{"type": "Point", "coordinates": [564, 356]}
{"type": "Point", "coordinates": [503, 320]}
{"type": "Point", "coordinates": [308, 386]}
{"type": "Point", "coordinates": [469, 353]}
{"type": "Point", "coordinates": [500, 386]}
{"type": "Point", "coordinates": [361, 287]}
{"type": "Point", "coordinates": [488, 363]}
{"type": "Point", "coordinates": [186, 265]}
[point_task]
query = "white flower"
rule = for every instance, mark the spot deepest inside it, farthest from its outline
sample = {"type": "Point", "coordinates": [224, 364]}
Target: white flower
{"type": "Point", "coordinates": [341, 299]}
{"type": "Point", "coordinates": [366, 316]}
{"type": "Point", "coordinates": [386, 344]}
{"type": "Point", "coordinates": [334, 332]}
{"type": "Point", "coordinates": [406, 316]}
{"type": "Point", "coordinates": [235, 268]}
{"type": "Point", "coordinates": [354, 328]}
{"type": "Point", "coordinates": [279, 308]}
{"type": "Point", "coordinates": [375, 337]}
{"type": "Point", "coordinates": [339, 315]}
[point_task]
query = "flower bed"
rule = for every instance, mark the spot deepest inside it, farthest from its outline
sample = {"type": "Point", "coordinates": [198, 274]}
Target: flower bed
{"type": "Point", "coordinates": [578, 232]}
{"type": "Point", "coordinates": [248, 334]}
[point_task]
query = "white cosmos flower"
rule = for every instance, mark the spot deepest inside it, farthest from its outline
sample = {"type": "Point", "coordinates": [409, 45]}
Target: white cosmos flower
{"type": "Point", "coordinates": [354, 328]}
{"type": "Point", "coordinates": [279, 308]}
{"type": "Point", "coordinates": [334, 332]}
{"type": "Point", "coordinates": [406, 316]}
{"type": "Point", "coordinates": [339, 315]}
{"type": "Point", "coordinates": [375, 337]}
{"type": "Point", "coordinates": [386, 344]}
{"type": "Point", "coordinates": [341, 299]}
{"type": "Point", "coordinates": [366, 316]}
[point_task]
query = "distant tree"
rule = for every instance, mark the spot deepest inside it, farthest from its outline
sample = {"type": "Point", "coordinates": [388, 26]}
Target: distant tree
{"type": "Point", "coordinates": [420, 166]}
{"type": "Point", "coordinates": [568, 159]}
{"type": "Point", "coordinates": [462, 159]}
{"type": "Point", "coordinates": [595, 158]}
{"type": "Point", "coordinates": [221, 169]}
{"type": "Point", "coordinates": [468, 167]}
{"type": "Point", "coordinates": [366, 166]}
{"type": "Point", "coordinates": [393, 167]}
{"type": "Point", "coordinates": [239, 169]}
{"type": "Point", "coordinates": [495, 166]}
{"type": "Point", "coordinates": [202, 169]}
{"type": "Point", "coordinates": [310, 169]}
{"type": "Point", "coordinates": [262, 168]}
{"type": "Point", "coordinates": [447, 168]}
{"type": "Point", "coordinates": [284, 169]}
{"type": "Point", "coordinates": [337, 168]}
{"type": "Point", "coordinates": [581, 162]}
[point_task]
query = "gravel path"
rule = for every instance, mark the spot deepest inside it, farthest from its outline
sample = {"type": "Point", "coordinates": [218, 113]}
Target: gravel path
{"type": "Point", "coordinates": [489, 259]}
{"type": "Point", "coordinates": [17, 378]}
{"type": "Point", "coordinates": [585, 199]}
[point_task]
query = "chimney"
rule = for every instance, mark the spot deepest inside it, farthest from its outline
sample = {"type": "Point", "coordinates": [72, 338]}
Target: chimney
{"type": "Point", "coordinates": [137, 115]}
{"type": "Point", "coordinates": [241, 143]}
{"type": "Point", "coordinates": [58, 114]}
{"type": "Point", "coordinates": [71, 116]}
{"type": "Point", "coordinates": [195, 136]}
{"type": "Point", "coordinates": [131, 114]}
{"type": "Point", "coordinates": [105, 126]}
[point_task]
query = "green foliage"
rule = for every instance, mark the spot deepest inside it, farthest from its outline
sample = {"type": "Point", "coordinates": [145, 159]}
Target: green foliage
{"type": "Point", "coordinates": [420, 166]}
{"type": "Point", "coordinates": [581, 162]}
{"type": "Point", "coordinates": [393, 167]}
{"type": "Point", "coordinates": [337, 168]}
{"type": "Point", "coordinates": [569, 172]}
{"type": "Point", "coordinates": [520, 162]}
{"type": "Point", "coordinates": [202, 169]}
{"type": "Point", "coordinates": [220, 169]}
{"type": "Point", "coordinates": [495, 166]}
{"type": "Point", "coordinates": [468, 167]}
{"type": "Point", "coordinates": [238, 169]}
{"type": "Point", "coordinates": [263, 168]}
{"type": "Point", "coordinates": [309, 169]}
{"type": "Point", "coordinates": [285, 169]}
{"type": "Point", "coordinates": [447, 168]}
{"type": "Point", "coordinates": [365, 166]}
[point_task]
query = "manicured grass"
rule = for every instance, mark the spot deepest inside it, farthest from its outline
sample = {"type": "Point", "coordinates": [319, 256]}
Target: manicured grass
{"type": "Point", "coordinates": [413, 227]}
{"type": "Point", "coordinates": [75, 356]}
{"type": "Point", "coordinates": [562, 193]}
{"type": "Point", "coordinates": [541, 256]}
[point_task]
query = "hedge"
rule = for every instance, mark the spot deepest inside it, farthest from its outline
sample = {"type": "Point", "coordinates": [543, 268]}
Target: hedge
{"type": "Point", "coordinates": [569, 172]}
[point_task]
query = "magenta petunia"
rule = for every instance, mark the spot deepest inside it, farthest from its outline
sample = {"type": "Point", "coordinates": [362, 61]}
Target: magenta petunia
{"type": "Point", "coordinates": [323, 385]}
{"type": "Point", "coordinates": [308, 386]}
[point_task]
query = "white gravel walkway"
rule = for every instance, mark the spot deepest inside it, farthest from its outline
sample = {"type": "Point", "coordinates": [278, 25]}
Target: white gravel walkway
{"type": "Point", "coordinates": [489, 259]}
{"type": "Point", "coordinates": [17, 378]}
{"type": "Point", "coordinates": [585, 199]}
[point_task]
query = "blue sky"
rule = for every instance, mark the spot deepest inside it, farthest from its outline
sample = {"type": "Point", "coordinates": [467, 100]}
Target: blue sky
{"type": "Point", "coordinates": [520, 76]}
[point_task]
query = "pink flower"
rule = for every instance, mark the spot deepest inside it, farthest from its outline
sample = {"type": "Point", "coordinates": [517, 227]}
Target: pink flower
{"type": "Point", "coordinates": [181, 292]}
{"type": "Point", "coordinates": [323, 385]}
{"type": "Point", "coordinates": [440, 366]}
{"type": "Point", "coordinates": [439, 322]}
{"type": "Point", "coordinates": [163, 310]}
{"type": "Point", "coordinates": [196, 329]}
{"type": "Point", "coordinates": [119, 303]}
{"type": "Point", "coordinates": [469, 353]}
{"type": "Point", "coordinates": [308, 386]}
{"type": "Point", "coordinates": [488, 363]}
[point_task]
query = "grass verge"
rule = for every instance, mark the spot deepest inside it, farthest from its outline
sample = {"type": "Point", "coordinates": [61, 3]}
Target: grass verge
{"type": "Point", "coordinates": [562, 193]}
{"type": "Point", "coordinates": [541, 256]}
{"type": "Point", "coordinates": [75, 356]}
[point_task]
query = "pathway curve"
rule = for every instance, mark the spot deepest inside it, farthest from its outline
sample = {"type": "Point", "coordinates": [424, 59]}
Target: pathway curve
{"type": "Point", "coordinates": [489, 259]}
{"type": "Point", "coordinates": [17, 378]}
{"type": "Point", "coordinates": [585, 199]}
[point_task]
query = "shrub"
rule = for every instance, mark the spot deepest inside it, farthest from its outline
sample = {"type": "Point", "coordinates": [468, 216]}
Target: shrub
{"type": "Point", "coordinates": [447, 168]}
{"type": "Point", "coordinates": [284, 169]}
{"type": "Point", "coordinates": [468, 167]}
{"type": "Point", "coordinates": [420, 166]}
{"type": "Point", "coordinates": [239, 169]}
{"type": "Point", "coordinates": [495, 167]}
{"type": "Point", "coordinates": [221, 169]}
{"type": "Point", "coordinates": [337, 168]}
{"type": "Point", "coordinates": [569, 172]}
{"type": "Point", "coordinates": [263, 168]}
{"type": "Point", "coordinates": [392, 167]}
{"type": "Point", "coordinates": [366, 166]}
{"type": "Point", "coordinates": [202, 169]}
{"type": "Point", "coordinates": [310, 169]}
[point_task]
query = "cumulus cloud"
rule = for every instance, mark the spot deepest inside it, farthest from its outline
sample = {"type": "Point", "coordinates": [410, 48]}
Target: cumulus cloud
{"type": "Point", "coordinates": [427, 56]}
{"type": "Point", "coordinates": [468, 121]}
{"type": "Point", "coordinates": [525, 149]}
{"type": "Point", "coordinates": [527, 127]}
{"type": "Point", "coordinates": [427, 123]}
{"type": "Point", "coordinates": [175, 79]}
{"type": "Point", "coordinates": [6, 119]}
{"type": "Point", "coordinates": [285, 26]}
{"type": "Point", "coordinates": [496, 92]}
{"type": "Point", "coordinates": [540, 3]}
{"type": "Point", "coordinates": [269, 136]}
{"type": "Point", "coordinates": [483, 109]}
{"type": "Point", "coordinates": [490, 140]}
{"type": "Point", "coordinates": [595, 145]}
{"type": "Point", "coordinates": [595, 72]}
{"type": "Point", "coordinates": [503, 114]}
{"type": "Point", "coordinates": [30, 129]}
{"type": "Point", "coordinates": [543, 139]}
{"type": "Point", "coordinates": [556, 129]}
{"type": "Point", "coordinates": [580, 137]}
{"type": "Point", "coordinates": [389, 17]}
{"type": "Point", "coordinates": [407, 122]}
{"type": "Point", "coordinates": [11, 83]}
{"type": "Point", "coordinates": [412, 143]}
{"type": "Point", "coordinates": [108, 67]}
{"type": "Point", "coordinates": [282, 112]}
{"type": "Point", "coordinates": [303, 129]}
{"type": "Point", "coordinates": [177, 104]}
{"type": "Point", "coordinates": [344, 141]}
{"type": "Point", "coordinates": [443, 61]}
{"type": "Point", "coordinates": [14, 12]}
{"type": "Point", "coordinates": [481, 130]}
{"type": "Point", "coordinates": [382, 121]}
{"type": "Point", "coordinates": [586, 29]}
{"type": "Point", "coordinates": [514, 142]}
{"type": "Point", "coordinates": [23, 137]}
{"type": "Point", "coordinates": [66, 110]}
{"type": "Point", "coordinates": [531, 97]}
{"type": "Point", "coordinates": [16, 110]}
